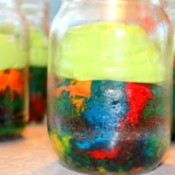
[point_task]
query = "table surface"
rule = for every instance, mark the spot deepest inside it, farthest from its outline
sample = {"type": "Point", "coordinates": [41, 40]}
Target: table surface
{"type": "Point", "coordinates": [34, 155]}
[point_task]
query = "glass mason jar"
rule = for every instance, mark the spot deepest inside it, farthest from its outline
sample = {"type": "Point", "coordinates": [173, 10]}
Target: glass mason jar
{"type": "Point", "coordinates": [37, 18]}
{"type": "Point", "coordinates": [109, 85]}
{"type": "Point", "coordinates": [13, 71]}
{"type": "Point", "coordinates": [170, 9]}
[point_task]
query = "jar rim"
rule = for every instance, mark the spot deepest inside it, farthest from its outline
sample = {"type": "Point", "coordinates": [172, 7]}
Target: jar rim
{"type": "Point", "coordinates": [152, 1]}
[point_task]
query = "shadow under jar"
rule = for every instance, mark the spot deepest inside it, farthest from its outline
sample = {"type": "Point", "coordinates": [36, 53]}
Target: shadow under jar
{"type": "Point", "coordinates": [109, 85]}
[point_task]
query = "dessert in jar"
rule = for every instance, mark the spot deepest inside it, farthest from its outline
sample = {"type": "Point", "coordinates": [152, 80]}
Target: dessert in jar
{"type": "Point", "coordinates": [13, 71]}
{"type": "Point", "coordinates": [109, 86]}
{"type": "Point", "coordinates": [36, 16]}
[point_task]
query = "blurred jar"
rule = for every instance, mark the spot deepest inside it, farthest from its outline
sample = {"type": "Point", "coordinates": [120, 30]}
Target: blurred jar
{"type": "Point", "coordinates": [36, 13]}
{"type": "Point", "coordinates": [109, 85]}
{"type": "Point", "coordinates": [13, 70]}
{"type": "Point", "coordinates": [170, 9]}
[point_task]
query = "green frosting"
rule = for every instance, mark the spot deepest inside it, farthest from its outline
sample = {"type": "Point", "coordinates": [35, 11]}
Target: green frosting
{"type": "Point", "coordinates": [38, 48]}
{"type": "Point", "coordinates": [109, 51]}
{"type": "Point", "coordinates": [11, 55]}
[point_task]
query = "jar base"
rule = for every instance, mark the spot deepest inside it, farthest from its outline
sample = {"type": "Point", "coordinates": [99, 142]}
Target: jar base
{"type": "Point", "coordinates": [108, 173]}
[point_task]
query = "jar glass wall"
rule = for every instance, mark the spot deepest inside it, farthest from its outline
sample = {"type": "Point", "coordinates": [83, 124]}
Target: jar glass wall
{"type": "Point", "coordinates": [170, 9]}
{"type": "Point", "coordinates": [37, 18]}
{"type": "Point", "coordinates": [13, 71]}
{"type": "Point", "coordinates": [109, 85]}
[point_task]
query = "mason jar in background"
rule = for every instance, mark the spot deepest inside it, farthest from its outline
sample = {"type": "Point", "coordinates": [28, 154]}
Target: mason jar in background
{"type": "Point", "coordinates": [109, 85]}
{"type": "Point", "coordinates": [36, 14]}
{"type": "Point", "coordinates": [170, 9]}
{"type": "Point", "coordinates": [13, 71]}
{"type": "Point", "coordinates": [54, 6]}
